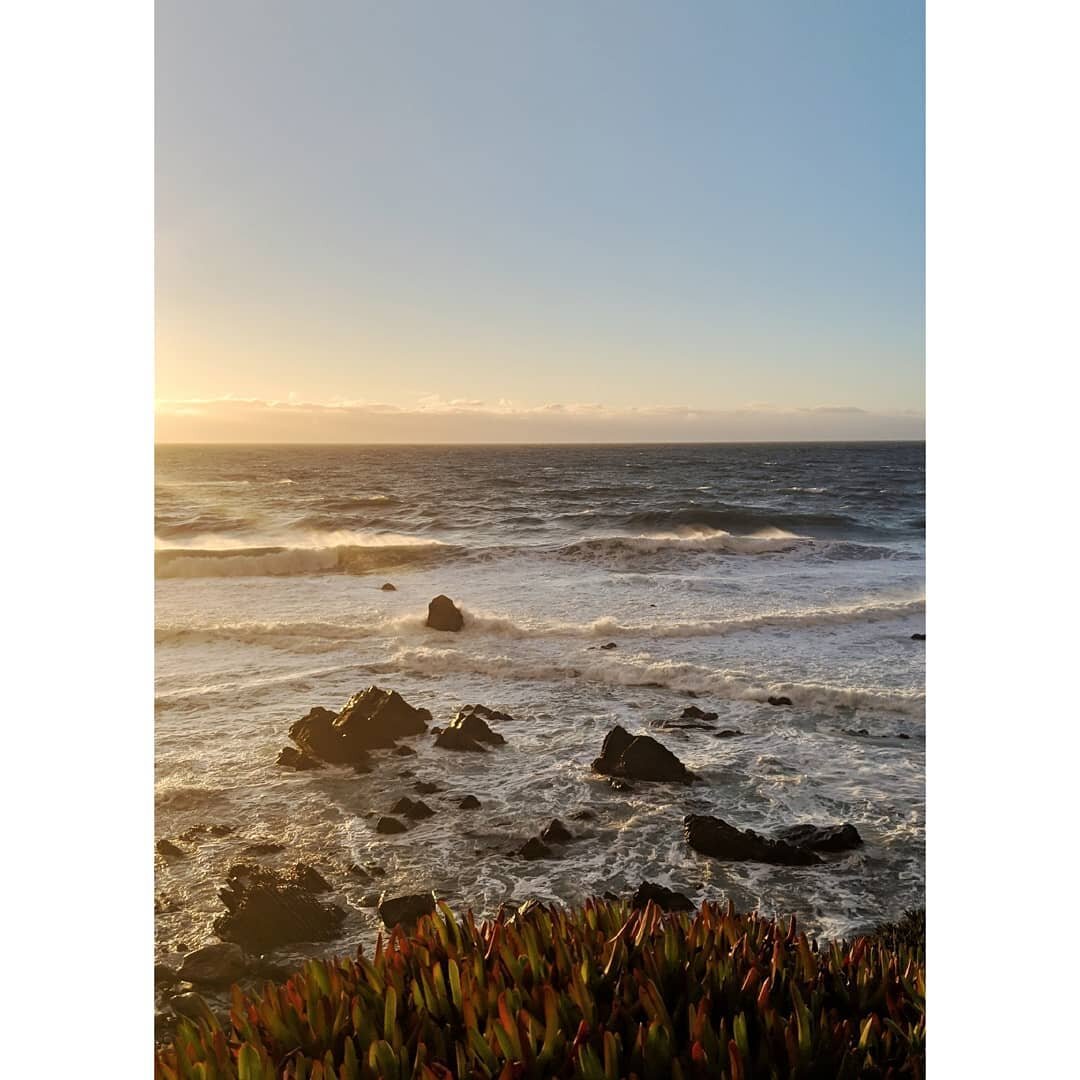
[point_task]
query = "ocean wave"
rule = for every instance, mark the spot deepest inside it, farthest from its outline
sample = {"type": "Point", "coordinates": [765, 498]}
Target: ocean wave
{"type": "Point", "coordinates": [743, 519]}
{"type": "Point", "coordinates": [648, 673]}
{"type": "Point", "coordinates": [688, 541]}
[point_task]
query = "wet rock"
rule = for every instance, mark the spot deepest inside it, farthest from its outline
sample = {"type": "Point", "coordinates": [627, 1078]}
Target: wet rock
{"type": "Point", "coordinates": [387, 587]}
{"type": "Point", "coordinates": [780, 701]}
{"type": "Point", "coordinates": [639, 757]}
{"type": "Point", "coordinates": [619, 785]}
{"type": "Point", "coordinates": [369, 900]}
{"type": "Point", "coordinates": [487, 713]}
{"type": "Point", "coordinates": [862, 733]}
{"type": "Point", "coordinates": [918, 637]}
{"type": "Point", "coordinates": [822, 837]}
{"type": "Point", "coordinates": [716, 838]}
{"type": "Point", "coordinates": [265, 910]}
{"type": "Point", "coordinates": [556, 833]}
{"type": "Point", "coordinates": [307, 877]}
{"type": "Point", "coordinates": [414, 810]}
{"type": "Point", "coordinates": [692, 712]}
{"type": "Point", "coordinates": [666, 899]}
{"type": "Point", "coordinates": [609, 645]}
{"type": "Point", "coordinates": [389, 826]}
{"type": "Point", "coordinates": [444, 615]}
{"type": "Point", "coordinates": [268, 848]}
{"type": "Point", "coordinates": [473, 724]}
{"type": "Point", "coordinates": [534, 848]}
{"type": "Point", "coordinates": [425, 787]}
{"type": "Point", "coordinates": [404, 751]}
{"type": "Point", "coordinates": [291, 758]}
{"type": "Point", "coordinates": [470, 802]}
{"type": "Point", "coordinates": [165, 975]}
{"type": "Point", "coordinates": [453, 738]}
{"type": "Point", "coordinates": [361, 874]}
{"type": "Point", "coordinates": [727, 733]}
{"type": "Point", "coordinates": [902, 735]}
{"type": "Point", "coordinates": [314, 733]}
{"type": "Point", "coordinates": [405, 910]}
{"type": "Point", "coordinates": [197, 831]}
{"type": "Point", "coordinates": [164, 903]}
{"type": "Point", "coordinates": [214, 965]}
{"type": "Point", "coordinates": [583, 815]}
{"type": "Point", "coordinates": [607, 894]}
{"type": "Point", "coordinates": [168, 850]}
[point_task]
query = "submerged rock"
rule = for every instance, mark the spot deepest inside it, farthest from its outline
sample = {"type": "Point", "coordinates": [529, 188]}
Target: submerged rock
{"type": "Point", "coordinates": [780, 701]}
{"type": "Point", "coordinates": [452, 738]}
{"type": "Point", "coordinates": [822, 837]}
{"type": "Point", "coordinates": [716, 838]}
{"type": "Point", "coordinates": [473, 724]}
{"type": "Point", "coordinates": [425, 787]}
{"type": "Point", "coordinates": [389, 826]}
{"type": "Point", "coordinates": [387, 587]}
{"type": "Point", "coordinates": [291, 758]}
{"type": "Point", "coordinates": [470, 802]}
{"type": "Point", "coordinates": [267, 848]}
{"type": "Point", "coordinates": [639, 757]}
{"type": "Point", "coordinates": [534, 848]}
{"type": "Point", "coordinates": [307, 877]}
{"type": "Point", "coordinates": [666, 899]}
{"type": "Point", "coordinates": [415, 811]}
{"type": "Point", "coordinates": [168, 850]}
{"type": "Point", "coordinates": [487, 713]}
{"type": "Point", "coordinates": [443, 614]}
{"type": "Point", "coordinates": [404, 751]}
{"type": "Point", "coordinates": [405, 910]}
{"type": "Point", "coordinates": [692, 712]}
{"type": "Point", "coordinates": [218, 964]}
{"type": "Point", "coordinates": [197, 831]}
{"type": "Point", "coordinates": [556, 833]}
{"type": "Point", "coordinates": [727, 733]}
{"type": "Point", "coordinates": [165, 975]}
{"type": "Point", "coordinates": [265, 910]}
{"type": "Point", "coordinates": [918, 637]}
{"type": "Point", "coordinates": [609, 645]}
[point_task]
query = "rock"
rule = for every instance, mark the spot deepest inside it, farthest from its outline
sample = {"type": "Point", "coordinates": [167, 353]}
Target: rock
{"type": "Point", "coordinates": [822, 837]}
{"type": "Point", "coordinates": [315, 734]}
{"type": "Point", "coordinates": [692, 712]}
{"type": "Point", "coordinates": [307, 877]}
{"type": "Point", "coordinates": [714, 837]}
{"type": "Point", "coordinates": [534, 848]}
{"type": "Point", "coordinates": [291, 758]}
{"type": "Point", "coordinates": [197, 831]}
{"type": "Point", "coordinates": [360, 874]}
{"type": "Point", "coordinates": [918, 637]}
{"type": "Point", "coordinates": [583, 815]}
{"type": "Point", "coordinates": [727, 733]}
{"type": "Point", "coordinates": [443, 615]}
{"type": "Point", "coordinates": [452, 738]}
{"type": "Point", "coordinates": [902, 735]}
{"type": "Point", "coordinates": [470, 802]}
{"type": "Point", "coordinates": [487, 713]}
{"type": "Point", "coordinates": [377, 718]}
{"type": "Point", "coordinates": [862, 733]}
{"type": "Point", "coordinates": [387, 587]}
{"type": "Point", "coordinates": [666, 899]}
{"type": "Point", "coordinates": [780, 701]}
{"type": "Point", "coordinates": [163, 903]}
{"type": "Point", "coordinates": [475, 726]}
{"type": "Point", "coordinates": [165, 975]}
{"type": "Point", "coordinates": [609, 645]}
{"type": "Point", "coordinates": [369, 900]}
{"type": "Point", "coordinates": [405, 910]}
{"type": "Point", "coordinates": [389, 826]}
{"type": "Point", "coordinates": [556, 833]}
{"type": "Point", "coordinates": [168, 850]}
{"type": "Point", "coordinates": [265, 910]}
{"type": "Point", "coordinates": [619, 785]}
{"type": "Point", "coordinates": [639, 757]}
{"type": "Point", "coordinates": [263, 849]}
{"type": "Point", "coordinates": [415, 811]}
{"type": "Point", "coordinates": [214, 965]}
{"type": "Point", "coordinates": [425, 787]}
{"type": "Point", "coordinates": [404, 751]}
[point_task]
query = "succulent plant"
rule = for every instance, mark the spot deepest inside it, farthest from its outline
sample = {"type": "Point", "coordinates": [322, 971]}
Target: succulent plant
{"type": "Point", "coordinates": [598, 992]}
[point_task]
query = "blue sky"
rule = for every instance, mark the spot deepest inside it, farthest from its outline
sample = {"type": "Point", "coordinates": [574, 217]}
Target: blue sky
{"type": "Point", "coordinates": [486, 210]}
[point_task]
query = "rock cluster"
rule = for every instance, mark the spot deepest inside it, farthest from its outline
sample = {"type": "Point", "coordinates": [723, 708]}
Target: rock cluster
{"type": "Point", "coordinates": [639, 757]}
{"type": "Point", "coordinates": [469, 730]}
{"type": "Point", "coordinates": [793, 846]}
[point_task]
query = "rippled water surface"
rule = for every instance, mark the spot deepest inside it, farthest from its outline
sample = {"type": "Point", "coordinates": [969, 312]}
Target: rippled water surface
{"type": "Point", "coordinates": [724, 575]}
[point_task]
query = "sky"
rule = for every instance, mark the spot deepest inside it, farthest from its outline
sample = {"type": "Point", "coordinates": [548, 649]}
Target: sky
{"type": "Point", "coordinates": [511, 221]}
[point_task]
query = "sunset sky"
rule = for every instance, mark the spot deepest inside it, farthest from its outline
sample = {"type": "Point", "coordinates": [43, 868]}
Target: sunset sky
{"type": "Point", "coordinates": [508, 221]}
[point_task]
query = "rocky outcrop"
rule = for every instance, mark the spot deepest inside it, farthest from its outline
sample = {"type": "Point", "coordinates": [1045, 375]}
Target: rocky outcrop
{"type": "Point", "coordinates": [487, 713]}
{"type": "Point", "coordinates": [214, 965]}
{"type": "Point", "coordinates": [692, 712]}
{"type": "Point", "coordinates": [452, 738]}
{"type": "Point", "coordinates": [556, 833]}
{"type": "Point", "coordinates": [475, 726]}
{"type": "Point", "coordinates": [639, 757]}
{"type": "Point", "coordinates": [265, 910]}
{"type": "Point", "coordinates": [666, 899]}
{"type": "Point", "coordinates": [443, 614]}
{"type": "Point", "coordinates": [307, 877]}
{"type": "Point", "coordinates": [780, 701]}
{"type": "Point", "coordinates": [918, 637]}
{"type": "Point", "coordinates": [425, 787]}
{"type": "Point", "coordinates": [291, 758]}
{"type": "Point", "coordinates": [168, 850]}
{"type": "Point", "coordinates": [822, 837]}
{"type": "Point", "coordinates": [470, 802]}
{"type": "Point", "coordinates": [714, 837]}
{"type": "Point", "coordinates": [405, 910]}
{"type": "Point", "coordinates": [389, 826]}
{"type": "Point", "coordinates": [534, 848]}
{"type": "Point", "coordinates": [608, 645]}
{"type": "Point", "coordinates": [414, 810]}
{"type": "Point", "coordinates": [388, 587]}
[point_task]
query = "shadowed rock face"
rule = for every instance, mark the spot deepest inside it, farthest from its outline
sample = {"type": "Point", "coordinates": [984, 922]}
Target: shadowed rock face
{"type": "Point", "coordinates": [452, 738]}
{"type": "Point", "coordinates": [556, 833]}
{"type": "Point", "coordinates": [475, 726]}
{"type": "Point", "coordinates": [414, 810]}
{"type": "Point", "coordinates": [822, 837]}
{"type": "Point", "coordinates": [389, 826]}
{"type": "Point", "coordinates": [714, 837]}
{"type": "Point", "coordinates": [664, 898]}
{"type": "Point", "coordinates": [265, 910]}
{"type": "Point", "coordinates": [292, 758]}
{"type": "Point", "coordinates": [405, 910]}
{"type": "Point", "coordinates": [639, 757]}
{"type": "Point", "coordinates": [444, 615]}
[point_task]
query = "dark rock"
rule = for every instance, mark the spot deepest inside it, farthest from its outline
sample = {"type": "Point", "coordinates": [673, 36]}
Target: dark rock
{"type": "Point", "coordinates": [369, 900]}
{"type": "Point", "coordinates": [263, 849]}
{"type": "Point", "coordinates": [609, 645]}
{"type": "Point", "coordinates": [470, 802]}
{"type": "Point", "coordinates": [214, 965]}
{"type": "Point", "coordinates": [666, 899]}
{"type": "Point", "coordinates": [387, 587]}
{"type": "Point", "coordinates": [442, 614]}
{"type": "Point", "coordinates": [165, 975]}
{"type": "Point", "coordinates": [862, 733]}
{"type": "Point", "coordinates": [307, 877]}
{"type": "Point", "coordinates": [780, 701]}
{"type": "Point", "coordinates": [415, 811]}
{"type": "Point", "coordinates": [475, 726]}
{"type": "Point", "coordinates": [639, 757]}
{"type": "Point", "coordinates": [405, 910]}
{"type": "Point", "coordinates": [822, 837]}
{"type": "Point", "coordinates": [608, 894]}
{"type": "Point", "coordinates": [583, 815]}
{"type": "Point", "coordinates": [197, 831]}
{"type": "Point", "coordinates": [265, 910]}
{"type": "Point", "coordinates": [534, 848]}
{"type": "Point", "coordinates": [316, 736]}
{"type": "Point", "coordinates": [360, 874]}
{"type": "Point", "coordinates": [902, 735]}
{"type": "Point", "coordinates": [556, 833]}
{"type": "Point", "coordinates": [425, 787]}
{"type": "Point", "coordinates": [727, 733]}
{"type": "Point", "coordinates": [404, 751]}
{"type": "Point", "coordinates": [291, 758]}
{"type": "Point", "coordinates": [918, 637]}
{"type": "Point", "coordinates": [389, 826]}
{"type": "Point", "coordinates": [619, 785]}
{"type": "Point", "coordinates": [376, 871]}
{"type": "Point", "coordinates": [164, 903]}
{"type": "Point", "coordinates": [453, 738]}
{"type": "Point", "coordinates": [714, 837]}
{"type": "Point", "coordinates": [376, 718]}
{"type": "Point", "coordinates": [167, 849]}
{"type": "Point", "coordinates": [487, 713]}
{"type": "Point", "coordinates": [692, 712]}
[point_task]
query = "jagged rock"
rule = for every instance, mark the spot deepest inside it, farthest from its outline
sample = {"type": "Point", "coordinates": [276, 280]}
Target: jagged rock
{"type": "Point", "coordinates": [556, 833]}
{"type": "Point", "coordinates": [389, 826]}
{"type": "Point", "coordinates": [470, 802]}
{"type": "Point", "coordinates": [918, 637]}
{"type": "Point", "coordinates": [822, 837]}
{"type": "Point", "coordinates": [387, 587]}
{"type": "Point", "coordinates": [609, 645]}
{"type": "Point", "coordinates": [666, 899]}
{"type": "Point", "coordinates": [265, 910]}
{"type": "Point", "coordinates": [534, 848]}
{"type": "Point", "coordinates": [168, 850]}
{"type": "Point", "coordinates": [415, 811]}
{"type": "Point", "coordinates": [444, 615]}
{"type": "Point", "coordinates": [453, 738]}
{"type": "Point", "coordinates": [487, 713]}
{"type": "Point", "coordinates": [197, 831]}
{"type": "Point", "coordinates": [692, 712]}
{"type": "Point", "coordinates": [780, 701]}
{"type": "Point", "coordinates": [214, 965]}
{"type": "Point", "coordinates": [425, 787]}
{"type": "Point", "coordinates": [475, 727]}
{"type": "Point", "coordinates": [714, 837]}
{"type": "Point", "coordinates": [639, 757]}
{"type": "Point", "coordinates": [307, 877]}
{"type": "Point", "coordinates": [314, 733]}
{"type": "Point", "coordinates": [405, 910]}
{"type": "Point", "coordinates": [268, 848]}
{"type": "Point", "coordinates": [291, 758]}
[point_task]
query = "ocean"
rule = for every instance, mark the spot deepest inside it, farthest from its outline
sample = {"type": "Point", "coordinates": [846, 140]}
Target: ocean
{"type": "Point", "coordinates": [723, 574]}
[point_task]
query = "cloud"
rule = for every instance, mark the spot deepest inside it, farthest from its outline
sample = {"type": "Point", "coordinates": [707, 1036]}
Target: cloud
{"type": "Point", "coordinates": [435, 419]}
